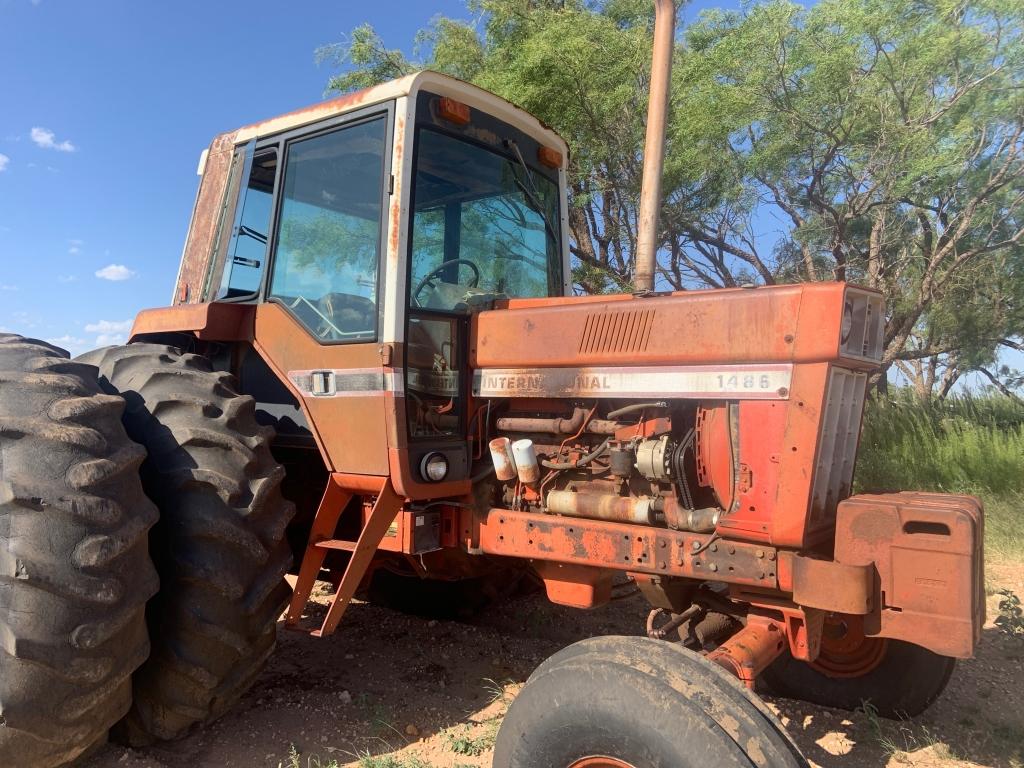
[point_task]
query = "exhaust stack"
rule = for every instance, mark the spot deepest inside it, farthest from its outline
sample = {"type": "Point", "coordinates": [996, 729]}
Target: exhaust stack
{"type": "Point", "coordinates": [654, 144]}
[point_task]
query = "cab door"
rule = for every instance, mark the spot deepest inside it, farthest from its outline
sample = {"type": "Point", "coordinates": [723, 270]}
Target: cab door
{"type": "Point", "coordinates": [319, 325]}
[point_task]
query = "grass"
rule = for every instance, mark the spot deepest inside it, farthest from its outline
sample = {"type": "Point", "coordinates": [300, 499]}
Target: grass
{"type": "Point", "coordinates": [965, 444]}
{"type": "Point", "coordinates": [898, 739]}
{"type": "Point", "coordinates": [462, 742]}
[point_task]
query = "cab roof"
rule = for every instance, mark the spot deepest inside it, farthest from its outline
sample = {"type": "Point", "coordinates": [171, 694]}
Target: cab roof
{"type": "Point", "coordinates": [409, 87]}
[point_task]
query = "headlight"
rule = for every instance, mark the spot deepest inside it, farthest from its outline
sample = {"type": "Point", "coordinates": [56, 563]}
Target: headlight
{"type": "Point", "coordinates": [844, 331]}
{"type": "Point", "coordinates": [863, 325]}
{"type": "Point", "coordinates": [434, 467]}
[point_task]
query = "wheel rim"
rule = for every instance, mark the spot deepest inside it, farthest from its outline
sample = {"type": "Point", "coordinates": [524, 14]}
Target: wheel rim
{"type": "Point", "coordinates": [845, 651]}
{"type": "Point", "coordinates": [600, 761]}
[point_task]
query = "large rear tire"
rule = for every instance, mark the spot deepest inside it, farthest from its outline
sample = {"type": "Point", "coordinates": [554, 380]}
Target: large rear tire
{"type": "Point", "coordinates": [75, 573]}
{"type": "Point", "coordinates": [628, 702]}
{"type": "Point", "coordinates": [220, 546]}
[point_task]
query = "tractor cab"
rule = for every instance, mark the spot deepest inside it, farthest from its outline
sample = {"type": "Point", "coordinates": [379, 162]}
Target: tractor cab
{"type": "Point", "coordinates": [378, 223]}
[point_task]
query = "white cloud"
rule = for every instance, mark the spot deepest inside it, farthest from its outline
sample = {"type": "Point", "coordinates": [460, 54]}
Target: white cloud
{"type": "Point", "coordinates": [4, 162]}
{"type": "Point", "coordinates": [75, 246]}
{"type": "Point", "coordinates": [67, 279]}
{"type": "Point", "coordinates": [6, 287]}
{"type": "Point", "coordinates": [110, 339]}
{"type": "Point", "coordinates": [115, 272]}
{"type": "Point", "coordinates": [45, 138]}
{"type": "Point", "coordinates": [72, 344]}
{"type": "Point", "coordinates": [109, 326]}
{"type": "Point", "coordinates": [109, 331]}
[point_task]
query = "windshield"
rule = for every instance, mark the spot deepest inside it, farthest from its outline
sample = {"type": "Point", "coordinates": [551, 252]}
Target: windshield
{"type": "Point", "coordinates": [485, 226]}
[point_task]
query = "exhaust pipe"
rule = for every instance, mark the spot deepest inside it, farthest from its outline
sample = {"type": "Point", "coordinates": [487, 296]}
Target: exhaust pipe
{"type": "Point", "coordinates": [654, 144]}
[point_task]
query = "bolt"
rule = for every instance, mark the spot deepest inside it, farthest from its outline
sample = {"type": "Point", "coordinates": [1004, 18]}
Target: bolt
{"type": "Point", "coordinates": [732, 550]}
{"type": "Point", "coordinates": [663, 566]}
{"type": "Point", "coordinates": [713, 566]}
{"type": "Point", "coordinates": [771, 555]}
{"type": "Point", "coordinates": [788, 338]}
{"type": "Point", "coordinates": [760, 575]}
{"type": "Point", "coordinates": [695, 545]}
{"type": "Point", "coordinates": [662, 543]}
{"type": "Point", "coordinates": [714, 547]}
{"type": "Point", "coordinates": [760, 553]}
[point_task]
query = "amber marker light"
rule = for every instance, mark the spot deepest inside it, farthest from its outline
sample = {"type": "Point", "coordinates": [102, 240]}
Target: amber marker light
{"type": "Point", "coordinates": [453, 111]}
{"type": "Point", "coordinates": [552, 158]}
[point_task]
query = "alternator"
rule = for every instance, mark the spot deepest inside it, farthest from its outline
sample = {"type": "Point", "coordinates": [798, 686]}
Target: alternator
{"type": "Point", "coordinates": [652, 459]}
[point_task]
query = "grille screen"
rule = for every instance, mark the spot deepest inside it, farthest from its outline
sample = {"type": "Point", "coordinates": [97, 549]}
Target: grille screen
{"type": "Point", "coordinates": [837, 445]}
{"type": "Point", "coordinates": [617, 331]}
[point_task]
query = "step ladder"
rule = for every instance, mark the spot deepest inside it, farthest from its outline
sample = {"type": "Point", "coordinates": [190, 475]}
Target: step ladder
{"type": "Point", "coordinates": [341, 488]}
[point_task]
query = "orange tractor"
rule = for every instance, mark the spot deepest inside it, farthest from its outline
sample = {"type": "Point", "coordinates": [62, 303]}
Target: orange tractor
{"type": "Point", "coordinates": [374, 369]}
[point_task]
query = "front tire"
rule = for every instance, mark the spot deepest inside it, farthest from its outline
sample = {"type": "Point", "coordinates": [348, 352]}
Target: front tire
{"type": "Point", "coordinates": [220, 546]}
{"type": "Point", "coordinates": [900, 679]}
{"type": "Point", "coordinates": [75, 572]}
{"type": "Point", "coordinates": [627, 702]}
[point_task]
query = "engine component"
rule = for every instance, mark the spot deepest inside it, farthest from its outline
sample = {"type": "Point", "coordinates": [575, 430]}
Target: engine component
{"type": "Point", "coordinates": [525, 458]}
{"type": "Point", "coordinates": [602, 506]}
{"type": "Point", "coordinates": [504, 462]}
{"type": "Point", "coordinates": [558, 426]}
{"type": "Point", "coordinates": [621, 462]}
{"type": "Point", "coordinates": [652, 459]}
{"type": "Point", "coordinates": [682, 518]}
{"type": "Point", "coordinates": [581, 461]}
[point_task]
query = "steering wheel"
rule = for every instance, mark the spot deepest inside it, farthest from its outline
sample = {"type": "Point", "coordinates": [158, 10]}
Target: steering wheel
{"type": "Point", "coordinates": [435, 272]}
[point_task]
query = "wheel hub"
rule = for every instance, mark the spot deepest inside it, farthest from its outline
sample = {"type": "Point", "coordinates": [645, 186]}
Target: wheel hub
{"type": "Point", "coordinates": [845, 651]}
{"type": "Point", "coordinates": [599, 761]}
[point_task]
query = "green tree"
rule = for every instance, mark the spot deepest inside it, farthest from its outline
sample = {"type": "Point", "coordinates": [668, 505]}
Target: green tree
{"type": "Point", "coordinates": [875, 141]}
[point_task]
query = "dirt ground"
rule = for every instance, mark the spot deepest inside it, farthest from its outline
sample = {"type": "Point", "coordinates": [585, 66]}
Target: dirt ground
{"type": "Point", "coordinates": [396, 691]}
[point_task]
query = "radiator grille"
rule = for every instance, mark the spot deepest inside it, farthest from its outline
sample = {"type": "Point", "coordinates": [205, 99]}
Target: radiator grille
{"type": "Point", "coordinates": [617, 331]}
{"type": "Point", "coordinates": [837, 444]}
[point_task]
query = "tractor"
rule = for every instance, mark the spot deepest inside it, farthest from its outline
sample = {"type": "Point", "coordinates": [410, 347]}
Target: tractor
{"type": "Point", "coordinates": [373, 370]}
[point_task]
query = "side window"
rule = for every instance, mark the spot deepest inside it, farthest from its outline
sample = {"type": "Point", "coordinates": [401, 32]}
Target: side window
{"type": "Point", "coordinates": [329, 231]}
{"type": "Point", "coordinates": [247, 255]}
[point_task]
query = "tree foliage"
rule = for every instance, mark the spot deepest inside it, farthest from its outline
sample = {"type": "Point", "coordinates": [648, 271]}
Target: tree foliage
{"type": "Point", "coordinates": [876, 141]}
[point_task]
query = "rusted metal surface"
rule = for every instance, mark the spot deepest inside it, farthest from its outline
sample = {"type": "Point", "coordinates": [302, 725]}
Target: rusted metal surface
{"type": "Point", "coordinates": [750, 650]}
{"type": "Point", "coordinates": [833, 586]}
{"type": "Point", "coordinates": [701, 520]}
{"type": "Point", "coordinates": [770, 324]}
{"type": "Point", "coordinates": [600, 761]}
{"type": "Point", "coordinates": [624, 547]}
{"type": "Point", "coordinates": [926, 551]}
{"type": "Point", "coordinates": [845, 651]}
{"type": "Point", "coordinates": [214, 322]}
{"type": "Point", "coordinates": [565, 426]}
{"type": "Point", "coordinates": [601, 506]}
{"type": "Point", "coordinates": [656, 632]}
{"type": "Point", "coordinates": [525, 458]}
{"type": "Point", "coordinates": [501, 457]}
{"type": "Point", "coordinates": [195, 258]}
{"type": "Point", "coordinates": [647, 237]}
